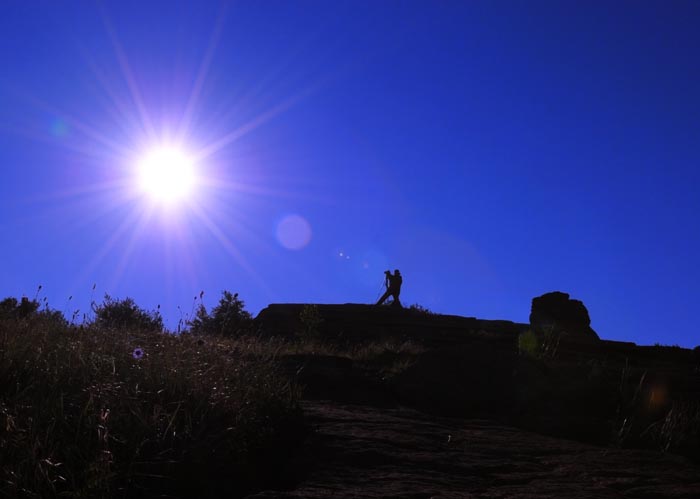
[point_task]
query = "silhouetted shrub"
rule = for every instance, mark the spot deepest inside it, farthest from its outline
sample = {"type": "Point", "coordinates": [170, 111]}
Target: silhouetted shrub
{"type": "Point", "coordinates": [528, 343]}
{"type": "Point", "coordinates": [420, 309]}
{"type": "Point", "coordinates": [667, 347]}
{"type": "Point", "coordinates": [125, 314]}
{"type": "Point", "coordinates": [28, 310]}
{"type": "Point", "coordinates": [10, 308]}
{"type": "Point", "coordinates": [540, 344]}
{"type": "Point", "coordinates": [228, 318]}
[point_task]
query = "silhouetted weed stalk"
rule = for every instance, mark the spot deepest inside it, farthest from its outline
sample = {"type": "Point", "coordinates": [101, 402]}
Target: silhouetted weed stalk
{"type": "Point", "coordinates": [101, 411]}
{"type": "Point", "coordinates": [629, 404]}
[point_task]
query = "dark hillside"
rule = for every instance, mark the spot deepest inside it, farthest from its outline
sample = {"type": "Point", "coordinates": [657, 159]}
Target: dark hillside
{"type": "Point", "coordinates": [392, 396]}
{"type": "Point", "coordinates": [569, 385]}
{"type": "Point", "coordinates": [344, 400]}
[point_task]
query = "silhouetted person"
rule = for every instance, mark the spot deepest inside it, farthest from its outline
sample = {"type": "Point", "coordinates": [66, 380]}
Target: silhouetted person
{"type": "Point", "coordinates": [393, 287]}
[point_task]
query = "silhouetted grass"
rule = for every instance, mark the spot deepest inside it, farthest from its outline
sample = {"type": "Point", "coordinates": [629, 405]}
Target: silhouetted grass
{"type": "Point", "coordinates": [669, 424]}
{"type": "Point", "coordinates": [385, 355]}
{"type": "Point", "coordinates": [95, 412]}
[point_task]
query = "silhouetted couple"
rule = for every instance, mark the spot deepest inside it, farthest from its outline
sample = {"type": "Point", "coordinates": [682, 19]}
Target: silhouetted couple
{"type": "Point", "coordinates": [393, 287]}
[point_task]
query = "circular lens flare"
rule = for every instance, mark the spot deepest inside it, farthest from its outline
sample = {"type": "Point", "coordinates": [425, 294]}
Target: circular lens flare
{"type": "Point", "coordinates": [166, 174]}
{"type": "Point", "coordinates": [294, 232]}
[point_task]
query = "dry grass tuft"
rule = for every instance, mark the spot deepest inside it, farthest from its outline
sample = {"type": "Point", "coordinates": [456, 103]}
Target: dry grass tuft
{"type": "Point", "coordinates": [92, 412]}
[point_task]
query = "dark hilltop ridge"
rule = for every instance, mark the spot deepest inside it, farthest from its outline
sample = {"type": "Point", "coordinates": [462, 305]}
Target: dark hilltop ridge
{"type": "Point", "coordinates": [456, 406]}
{"type": "Point", "coordinates": [345, 401]}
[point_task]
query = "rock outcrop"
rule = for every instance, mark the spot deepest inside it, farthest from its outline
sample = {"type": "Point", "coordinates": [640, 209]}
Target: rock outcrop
{"type": "Point", "coordinates": [556, 312]}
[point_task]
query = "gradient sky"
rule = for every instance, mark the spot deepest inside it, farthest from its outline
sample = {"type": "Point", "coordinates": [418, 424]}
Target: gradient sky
{"type": "Point", "coordinates": [492, 151]}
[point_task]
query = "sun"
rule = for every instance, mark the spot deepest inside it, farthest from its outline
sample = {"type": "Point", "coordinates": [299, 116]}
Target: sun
{"type": "Point", "coordinates": [166, 174]}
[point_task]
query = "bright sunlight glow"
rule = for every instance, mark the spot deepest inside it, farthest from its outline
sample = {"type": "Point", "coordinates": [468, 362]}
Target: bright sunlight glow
{"type": "Point", "coordinates": [166, 175]}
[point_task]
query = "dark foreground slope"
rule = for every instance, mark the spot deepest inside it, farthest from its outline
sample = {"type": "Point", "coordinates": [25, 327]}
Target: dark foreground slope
{"type": "Point", "coordinates": [438, 419]}
{"type": "Point", "coordinates": [365, 452]}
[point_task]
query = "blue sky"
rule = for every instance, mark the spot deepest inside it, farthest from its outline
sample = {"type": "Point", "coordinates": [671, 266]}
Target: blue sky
{"type": "Point", "coordinates": [492, 151]}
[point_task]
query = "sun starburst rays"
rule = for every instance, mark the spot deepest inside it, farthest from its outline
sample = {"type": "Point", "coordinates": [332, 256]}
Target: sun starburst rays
{"type": "Point", "coordinates": [161, 181]}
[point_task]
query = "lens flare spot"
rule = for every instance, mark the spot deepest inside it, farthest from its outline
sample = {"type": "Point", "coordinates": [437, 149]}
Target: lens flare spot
{"type": "Point", "coordinates": [293, 232]}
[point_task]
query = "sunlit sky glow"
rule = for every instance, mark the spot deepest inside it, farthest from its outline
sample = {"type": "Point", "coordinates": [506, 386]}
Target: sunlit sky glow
{"type": "Point", "coordinates": [292, 152]}
{"type": "Point", "coordinates": [166, 174]}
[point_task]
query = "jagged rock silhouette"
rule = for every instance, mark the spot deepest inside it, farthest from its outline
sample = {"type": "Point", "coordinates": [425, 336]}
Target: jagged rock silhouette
{"type": "Point", "coordinates": [556, 312]}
